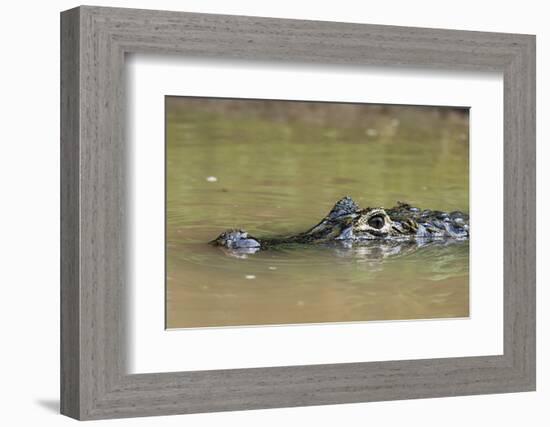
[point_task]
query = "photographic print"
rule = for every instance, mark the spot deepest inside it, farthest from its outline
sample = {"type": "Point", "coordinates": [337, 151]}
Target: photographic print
{"type": "Point", "coordinates": [294, 212]}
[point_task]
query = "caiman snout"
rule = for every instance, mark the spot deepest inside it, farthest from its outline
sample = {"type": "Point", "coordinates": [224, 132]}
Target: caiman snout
{"type": "Point", "coordinates": [236, 239]}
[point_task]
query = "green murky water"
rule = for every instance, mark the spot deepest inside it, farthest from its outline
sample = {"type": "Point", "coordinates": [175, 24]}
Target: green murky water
{"type": "Point", "coordinates": [278, 167]}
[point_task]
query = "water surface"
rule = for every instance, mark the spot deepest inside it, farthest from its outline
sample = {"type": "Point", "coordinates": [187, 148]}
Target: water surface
{"type": "Point", "coordinates": [275, 168]}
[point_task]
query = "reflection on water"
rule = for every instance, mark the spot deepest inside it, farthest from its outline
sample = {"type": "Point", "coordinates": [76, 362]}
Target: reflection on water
{"type": "Point", "coordinates": [276, 168]}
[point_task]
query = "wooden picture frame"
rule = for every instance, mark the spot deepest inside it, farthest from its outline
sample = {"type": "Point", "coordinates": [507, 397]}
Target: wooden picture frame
{"type": "Point", "coordinates": [94, 381]}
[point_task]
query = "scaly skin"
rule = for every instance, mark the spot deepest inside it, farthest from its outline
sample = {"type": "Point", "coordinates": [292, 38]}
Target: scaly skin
{"type": "Point", "coordinates": [348, 223]}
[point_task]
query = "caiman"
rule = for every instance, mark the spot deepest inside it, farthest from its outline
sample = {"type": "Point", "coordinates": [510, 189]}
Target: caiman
{"type": "Point", "coordinates": [349, 224]}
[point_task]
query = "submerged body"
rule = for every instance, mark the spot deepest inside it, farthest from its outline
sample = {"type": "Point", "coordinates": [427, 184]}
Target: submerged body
{"type": "Point", "coordinates": [347, 223]}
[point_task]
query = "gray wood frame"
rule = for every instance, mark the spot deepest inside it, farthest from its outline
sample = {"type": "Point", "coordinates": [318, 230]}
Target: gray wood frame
{"type": "Point", "coordinates": [94, 41]}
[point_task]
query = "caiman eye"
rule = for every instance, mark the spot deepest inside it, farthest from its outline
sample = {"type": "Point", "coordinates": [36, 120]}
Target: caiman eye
{"type": "Point", "coordinates": [377, 222]}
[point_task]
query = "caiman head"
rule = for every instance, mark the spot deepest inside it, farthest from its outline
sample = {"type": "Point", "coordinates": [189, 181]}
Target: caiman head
{"type": "Point", "coordinates": [347, 222]}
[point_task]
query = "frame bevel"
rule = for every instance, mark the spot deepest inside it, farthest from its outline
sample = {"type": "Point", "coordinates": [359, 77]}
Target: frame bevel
{"type": "Point", "coordinates": [94, 42]}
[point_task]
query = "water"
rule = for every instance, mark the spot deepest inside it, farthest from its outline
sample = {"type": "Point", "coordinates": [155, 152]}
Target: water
{"type": "Point", "coordinates": [275, 168]}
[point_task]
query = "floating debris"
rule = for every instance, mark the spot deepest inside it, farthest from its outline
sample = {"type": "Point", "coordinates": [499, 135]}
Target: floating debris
{"type": "Point", "coordinates": [272, 268]}
{"type": "Point", "coordinates": [394, 122]}
{"type": "Point", "coordinates": [250, 276]}
{"type": "Point", "coordinates": [211, 179]}
{"type": "Point", "coordinates": [371, 132]}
